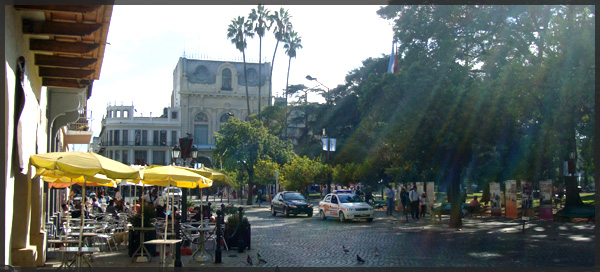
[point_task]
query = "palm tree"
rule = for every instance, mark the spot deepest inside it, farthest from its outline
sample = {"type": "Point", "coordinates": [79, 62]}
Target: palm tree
{"type": "Point", "coordinates": [259, 17]}
{"type": "Point", "coordinates": [281, 21]}
{"type": "Point", "coordinates": [238, 31]}
{"type": "Point", "coordinates": [293, 42]}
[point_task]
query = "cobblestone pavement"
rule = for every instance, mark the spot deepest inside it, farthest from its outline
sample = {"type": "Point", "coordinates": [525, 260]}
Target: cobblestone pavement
{"type": "Point", "coordinates": [300, 241]}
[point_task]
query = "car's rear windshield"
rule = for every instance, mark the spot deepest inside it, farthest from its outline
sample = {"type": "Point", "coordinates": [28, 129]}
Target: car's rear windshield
{"type": "Point", "coordinates": [293, 196]}
{"type": "Point", "coordinates": [350, 198]}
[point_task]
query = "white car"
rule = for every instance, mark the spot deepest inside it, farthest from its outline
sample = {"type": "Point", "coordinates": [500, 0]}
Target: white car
{"type": "Point", "coordinates": [345, 206]}
{"type": "Point", "coordinates": [173, 193]}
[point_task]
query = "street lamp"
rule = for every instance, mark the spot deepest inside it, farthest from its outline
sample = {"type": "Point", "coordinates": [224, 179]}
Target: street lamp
{"type": "Point", "coordinates": [194, 152]}
{"type": "Point", "coordinates": [184, 152]}
{"type": "Point", "coordinates": [175, 154]}
{"type": "Point", "coordinates": [327, 142]}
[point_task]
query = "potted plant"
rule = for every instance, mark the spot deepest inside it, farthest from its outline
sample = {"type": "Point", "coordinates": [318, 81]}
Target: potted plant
{"type": "Point", "coordinates": [134, 235]}
{"type": "Point", "coordinates": [238, 232]}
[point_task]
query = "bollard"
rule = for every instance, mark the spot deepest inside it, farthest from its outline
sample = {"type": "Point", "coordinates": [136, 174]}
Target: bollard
{"type": "Point", "coordinates": [219, 235]}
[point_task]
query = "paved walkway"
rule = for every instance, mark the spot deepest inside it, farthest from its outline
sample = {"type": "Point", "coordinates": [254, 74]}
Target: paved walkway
{"type": "Point", "coordinates": [391, 241]}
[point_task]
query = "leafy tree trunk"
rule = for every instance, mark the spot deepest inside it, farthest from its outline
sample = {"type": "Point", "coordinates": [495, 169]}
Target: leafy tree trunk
{"type": "Point", "coordinates": [572, 192]}
{"type": "Point", "coordinates": [455, 198]}
{"type": "Point", "coordinates": [250, 185]}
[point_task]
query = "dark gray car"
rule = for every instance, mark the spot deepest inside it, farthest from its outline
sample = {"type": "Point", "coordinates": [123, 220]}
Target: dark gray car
{"type": "Point", "coordinates": [288, 203]}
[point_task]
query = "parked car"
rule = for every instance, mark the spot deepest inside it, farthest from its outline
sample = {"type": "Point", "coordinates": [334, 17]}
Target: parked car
{"type": "Point", "coordinates": [289, 203]}
{"type": "Point", "coordinates": [345, 206]}
{"type": "Point", "coordinates": [172, 193]}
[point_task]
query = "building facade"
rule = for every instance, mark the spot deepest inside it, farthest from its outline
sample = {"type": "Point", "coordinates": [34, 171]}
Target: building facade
{"type": "Point", "coordinates": [209, 92]}
{"type": "Point", "coordinates": [139, 140]}
{"type": "Point", "coordinates": [52, 56]}
{"type": "Point", "coordinates": [205, 94]}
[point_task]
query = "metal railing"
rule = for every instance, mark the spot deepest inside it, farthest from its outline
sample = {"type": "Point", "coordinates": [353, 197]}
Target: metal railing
{"type": "Point", "coordinates": [83, 123]}
{"type": "Point", "coordinates": [135, 143]}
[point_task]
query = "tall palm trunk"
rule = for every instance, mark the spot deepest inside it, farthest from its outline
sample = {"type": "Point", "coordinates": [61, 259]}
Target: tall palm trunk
{"type": "Point", "coordinates": [286, 98]}
{"type": "Point", "coordinates": [246, 83]}
{"type": "Point", "coordinates": [271, 74]}
{"type": "Point", "coordinates": [259, 73]}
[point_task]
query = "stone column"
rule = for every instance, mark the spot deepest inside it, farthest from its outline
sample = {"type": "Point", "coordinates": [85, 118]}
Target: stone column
{"type": "Point", "coordinates": [23, 254]}
{"type": "Point", "coordinates": [37, 233]}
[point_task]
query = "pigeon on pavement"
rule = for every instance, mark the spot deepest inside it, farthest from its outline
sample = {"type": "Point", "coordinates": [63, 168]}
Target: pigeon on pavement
{"type": "Point", "coordinates": [260, 259]}
{"type": "Point", "coordinates": [359, 259]}
{"type": "Point", "coordinates": [249, 260]}
{"type": "Point", "coordinates": [345, 249]}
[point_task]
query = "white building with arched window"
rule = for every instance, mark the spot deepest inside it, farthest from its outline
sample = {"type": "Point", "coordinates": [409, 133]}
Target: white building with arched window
{"type": "Point", "coordinates": [205, 94]}
{"type": "Point", "coordinates": [208, 92]}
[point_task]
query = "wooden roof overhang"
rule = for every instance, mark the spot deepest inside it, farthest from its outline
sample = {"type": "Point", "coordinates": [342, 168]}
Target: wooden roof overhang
{"type": "Point", "coordinates": [69, 44]}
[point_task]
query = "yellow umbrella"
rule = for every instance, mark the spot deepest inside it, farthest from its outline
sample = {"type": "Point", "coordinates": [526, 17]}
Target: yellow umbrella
{"type": "Point", "coordinates": [84, 164]}
{"type": "Point", "coordinates": [173, 176]}
{"type": "Point", "coordinates": [216, 176]}
{"type": "Point", "coordinates": [56, 177]}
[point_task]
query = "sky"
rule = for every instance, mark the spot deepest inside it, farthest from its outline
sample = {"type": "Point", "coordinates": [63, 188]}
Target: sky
{"type": "Point", "coordinates": [145, 43]}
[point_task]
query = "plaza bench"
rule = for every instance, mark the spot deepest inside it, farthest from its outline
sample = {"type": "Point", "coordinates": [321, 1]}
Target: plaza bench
{"type": "Point", "coordinates": [444, 209]}
{"type": "Point", "coordinates": [588, 212]}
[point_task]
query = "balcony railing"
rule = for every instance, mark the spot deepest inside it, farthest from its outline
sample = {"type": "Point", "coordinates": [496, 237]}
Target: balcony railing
{"type": "Point", "coordinates": [134, 143]}
{"type": "Point", "coordinates": [83, 123]}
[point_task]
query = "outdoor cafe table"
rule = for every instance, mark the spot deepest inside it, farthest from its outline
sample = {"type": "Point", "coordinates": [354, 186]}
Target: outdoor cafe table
{"type": "Point", "coordinates": [84, 235]}
{"type": "Point", "coordinates": [78, 253]}
{"type": "Point", "coordinates": [142, 247]}
{"type": "Point", "coordinates": [163, 244]}
{"type": "Point", "coordinates": [202, 232]}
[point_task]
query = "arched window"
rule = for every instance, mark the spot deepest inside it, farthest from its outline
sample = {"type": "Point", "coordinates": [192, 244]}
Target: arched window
{"type": "Point", "coordinates": [224, 118]}
{"type": "Point", "coordinates": [226, 80]}
{"type": "Point", "coordinates": [201, 117]}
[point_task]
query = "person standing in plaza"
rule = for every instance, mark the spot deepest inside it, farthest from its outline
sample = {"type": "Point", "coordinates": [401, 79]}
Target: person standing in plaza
{"type": "Point", "coordinates": [118, 196]}
{"type": "Point", "coordinates": [389, 194]}
{"type": "Point", "coordinates": [259, 197]}
{"type": "Point", "coordinates": [413, 196]}
{"type": "Point", "coordinates": [423, 202]}
{"type": "Point", "coordinates": [404, 199]}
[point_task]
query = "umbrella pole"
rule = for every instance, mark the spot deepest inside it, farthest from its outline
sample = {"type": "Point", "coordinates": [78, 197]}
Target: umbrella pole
{"type": "Point", "coordinates": [167, 218]}
{"type": "Point", "coordinates": [82, 219]}
{"type": "Point", "coordinates": [141, 231]}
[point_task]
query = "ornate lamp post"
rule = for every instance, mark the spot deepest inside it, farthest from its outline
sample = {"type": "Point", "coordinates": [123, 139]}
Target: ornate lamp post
{"type": "Point", "coordinates": [328, 143]}
{"type": "Point", "coordinates": [186, 151]}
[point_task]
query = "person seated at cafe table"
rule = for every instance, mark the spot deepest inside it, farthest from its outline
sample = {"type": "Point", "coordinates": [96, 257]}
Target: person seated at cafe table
{"type": "Point", "coordinates": [160, 211]}
{"type": "Point", "coordinates": [65, 210]}
{"type": "Point", "coordinates": [77, 212]}
{"type": "Point", "coordinates": [197, 216]}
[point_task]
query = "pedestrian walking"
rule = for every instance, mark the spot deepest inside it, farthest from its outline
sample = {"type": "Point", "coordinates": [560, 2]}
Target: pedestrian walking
{"type": "Point", "coordinates": [414, 203]}
{"type": "Point", "coordinates": [404, 199]}
{"type": "Point", "coordinates": [259, 197]}
{"type": "Point", "coordinates": [389, 194]}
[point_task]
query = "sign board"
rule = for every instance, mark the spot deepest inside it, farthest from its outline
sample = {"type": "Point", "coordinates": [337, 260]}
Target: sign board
{"type": "Point", "coordinates": [420, 187]}
{"type": "Point", "coordinates": [430, 194]}
{"type": "Point", "coordinates": [546, 200]}
{"type": "Point", "coordinates": [495, 199]}
{"type": "Point", "coordinates": [331, 142]}
{"type": "Point", "coordinates": [526, 200]}
{"type": "Point", "coordinates": [511, 199]}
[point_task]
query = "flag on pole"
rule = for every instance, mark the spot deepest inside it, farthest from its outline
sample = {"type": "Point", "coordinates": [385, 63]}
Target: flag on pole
{"type": "Point", "coordinates": [392, 64]}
